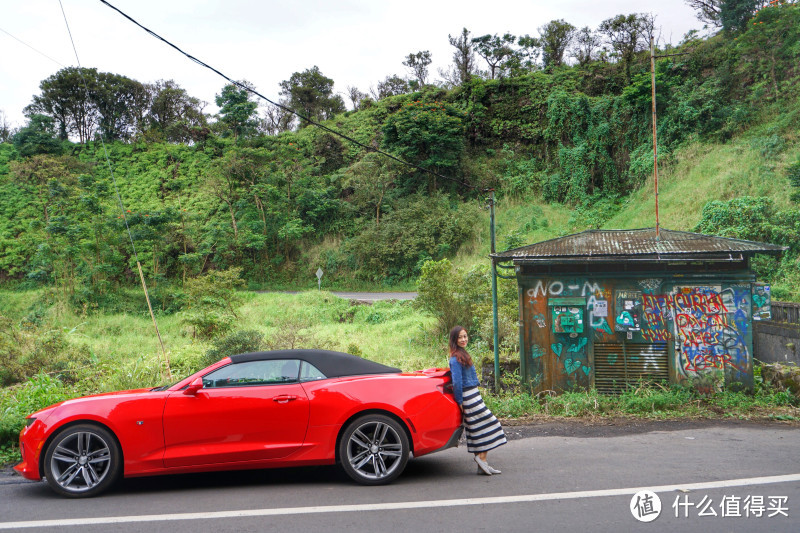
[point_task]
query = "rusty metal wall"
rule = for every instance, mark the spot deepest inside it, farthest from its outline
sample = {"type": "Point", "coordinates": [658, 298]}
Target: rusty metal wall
{"type": "Point", "coordinates": [703, 326]}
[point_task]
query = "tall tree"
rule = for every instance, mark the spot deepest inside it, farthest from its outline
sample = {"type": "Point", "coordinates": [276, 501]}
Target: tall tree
{"type": "Point", "coordinates": [391, 86]}
{"type": "Point", "coordinates": [355, 96]}
{"type": "Point", "coordinates": [310, 93]}
{"type": "Point", "coordinates": [528, 52]}
{"type": "Point", "coordinates": [735, 14]}
{"type": "Point", "coordinates": [276, 119]}
{"type": "Point", "coordinates": [463, 57]}
{"type": "Point", "coordinates": [626, 35]}
{"type": "Point", "coordinates": [418, 65]}
{"type": "Point", "coordinates": [707, 11]}
{"type": "Point", "coordinates": [38, 137]}
{"type": "Point", "coordinates": [731, 15]}
{"type": "Point", "coordinates": [237, 110]}
{"type": "Point", "coordinates": [66, 96]}
{"type": "Point", "coordinates": [584, 45]}
{"type": "Point", "coordinates": [555, 37]}
{"type": "Point", "coordinates": [121, 104]}
{"type": "Point", "coordinates": [174, 113]}
{"type": "Point", "coordinates": [495, 50]}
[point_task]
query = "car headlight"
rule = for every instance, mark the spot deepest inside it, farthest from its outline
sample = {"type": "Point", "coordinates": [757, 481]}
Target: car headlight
{"type": "Point", "coordinates": [29, 421]}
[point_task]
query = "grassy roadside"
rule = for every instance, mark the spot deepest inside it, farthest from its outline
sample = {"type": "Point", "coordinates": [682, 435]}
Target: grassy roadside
{"type": "Point", "coordinates": [100, 352]}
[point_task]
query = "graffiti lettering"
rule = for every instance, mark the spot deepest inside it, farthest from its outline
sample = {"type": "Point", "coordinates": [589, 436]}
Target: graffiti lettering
{"type": "Point", "coordinates": [553, 288]}
{"type": "Point", "coordinates": [709, 326]}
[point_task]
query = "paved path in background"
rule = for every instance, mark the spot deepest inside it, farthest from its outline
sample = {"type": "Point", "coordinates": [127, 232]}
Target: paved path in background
{"type": "Point", "coordinates": [374, 296]}
{"type": "Point", "coordinates": [365, 296]}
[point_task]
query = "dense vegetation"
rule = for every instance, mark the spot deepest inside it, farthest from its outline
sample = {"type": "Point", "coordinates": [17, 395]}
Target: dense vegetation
{"type": "Point", "coordinates": [558, 125]}
{"type": "Point", "coordinates": [202, 193]}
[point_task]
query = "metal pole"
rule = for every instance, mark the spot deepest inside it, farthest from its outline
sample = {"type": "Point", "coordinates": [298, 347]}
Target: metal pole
{"type": "Point", "coordinates": [494, 300]}
{"type": "Point", "coordinates": [153, 316]}
{"type": "Point", "coordinates": [655, 148]}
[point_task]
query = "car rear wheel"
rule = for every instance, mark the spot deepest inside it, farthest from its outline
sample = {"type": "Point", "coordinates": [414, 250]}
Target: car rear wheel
{"type": "Point", "coordinates": [82, 461]}
{"type": "Point", "coordinates": [374, 449]}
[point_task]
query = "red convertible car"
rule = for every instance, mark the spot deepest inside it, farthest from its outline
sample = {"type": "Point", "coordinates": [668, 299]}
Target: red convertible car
{"type": "Point", "coordinates": [253, 410]}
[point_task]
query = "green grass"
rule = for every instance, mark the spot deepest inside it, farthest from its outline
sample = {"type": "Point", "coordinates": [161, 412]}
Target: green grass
{"type": "Point", "coordinates": [124, 353]}
{"type": "Point", "coordinates": [392, 332]}
{"type": "Point", "coordinates": [648, 402]}
{"type": "Point", "coordinates": [704, 172]}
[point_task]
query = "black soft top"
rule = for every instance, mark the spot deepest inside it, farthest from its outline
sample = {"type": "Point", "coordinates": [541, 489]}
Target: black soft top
{"type": "Point", "coordinates": [332, 364]}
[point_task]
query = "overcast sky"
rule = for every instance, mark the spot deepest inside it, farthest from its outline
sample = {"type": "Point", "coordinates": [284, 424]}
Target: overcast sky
{"type": "Point", "coordinates": [354, 42]}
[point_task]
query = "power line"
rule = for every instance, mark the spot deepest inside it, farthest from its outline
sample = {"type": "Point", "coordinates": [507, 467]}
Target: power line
{"type": "Point", "coordinates": [32, 48]}
{"type": "Point", "coordinates": [285, 108]}
{"type": "Point", "coordinates": [119, 198]}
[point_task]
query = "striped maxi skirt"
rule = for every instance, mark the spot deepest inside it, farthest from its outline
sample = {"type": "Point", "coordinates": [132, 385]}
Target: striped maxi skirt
{"type": "Point", "coordinates": [483, 430]}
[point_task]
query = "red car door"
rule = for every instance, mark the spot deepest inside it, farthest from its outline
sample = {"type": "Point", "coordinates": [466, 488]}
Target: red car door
{"type": "Point", "coordinates": [251, 411]}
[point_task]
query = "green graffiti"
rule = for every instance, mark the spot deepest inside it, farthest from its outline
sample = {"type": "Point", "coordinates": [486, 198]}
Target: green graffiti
{"type": "Point", "coordinates": [577, 347]}
{"type": "Point", "coordinates": [536, 351]}
{"type": "Point", "coordinates": [586, 369]}
{"type": "Point", "coordinates": [557, 348]}
{"type": "Point", "coordinates": [571, 366]}
{"type": "Point", "coordinates": [612, 358]}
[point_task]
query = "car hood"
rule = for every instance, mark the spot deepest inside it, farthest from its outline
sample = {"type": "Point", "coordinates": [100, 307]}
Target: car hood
{"type": "Point", "coordinates": [42, 413]}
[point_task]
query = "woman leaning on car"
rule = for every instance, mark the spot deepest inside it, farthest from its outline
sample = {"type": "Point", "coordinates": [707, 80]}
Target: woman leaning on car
{"type": "Point", "coordinates": [483, 430]}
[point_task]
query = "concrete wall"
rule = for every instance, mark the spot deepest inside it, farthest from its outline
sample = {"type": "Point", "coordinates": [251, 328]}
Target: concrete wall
{"type": "Point", "coordinates": [776, 342]}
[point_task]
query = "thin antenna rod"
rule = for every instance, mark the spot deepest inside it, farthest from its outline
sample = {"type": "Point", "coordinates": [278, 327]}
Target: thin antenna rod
{"type": "Point", "coordinates": [655, 146]}
{"type": "Point", "coordinates": [119, 199]}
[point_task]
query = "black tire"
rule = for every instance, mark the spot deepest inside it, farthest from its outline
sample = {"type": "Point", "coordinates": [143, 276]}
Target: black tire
{"type": "Point", "coordinates": [82, 461]}
{"type": "Point", "coordinates": [374, 449]}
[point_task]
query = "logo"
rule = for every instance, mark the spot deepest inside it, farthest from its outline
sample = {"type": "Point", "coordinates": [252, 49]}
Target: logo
{"type": "Point", "coordinates": [645, 506]}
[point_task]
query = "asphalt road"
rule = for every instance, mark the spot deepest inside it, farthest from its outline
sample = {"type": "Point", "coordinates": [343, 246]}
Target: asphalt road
{"type": "Point", "coordinates": [368, 297]}
{"type": "Point", "coordinates": [374, 296]}
{"type": "Point", "coordinates": [549, 483]}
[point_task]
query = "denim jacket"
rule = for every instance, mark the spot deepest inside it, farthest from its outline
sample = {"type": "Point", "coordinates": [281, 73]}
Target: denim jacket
{"type": "Point", "coordinates": [463, 377]}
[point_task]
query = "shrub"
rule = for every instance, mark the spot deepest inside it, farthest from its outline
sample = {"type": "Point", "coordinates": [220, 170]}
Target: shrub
{"type": "Point", "coordinates": [18, 402]}
{"type": "Point", "coordinates": [242, 341]}
{"type": "Point", "coordinates": [441, 291]}
{"type": "Point", "coordinates": [32, 349]}
{"type": "Point", "coordinates": [421, 229]}
{"type": "Point", "coordinates": [211, 302]}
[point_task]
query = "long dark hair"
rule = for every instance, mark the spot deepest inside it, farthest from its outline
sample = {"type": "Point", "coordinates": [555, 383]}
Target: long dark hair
{"type": "Point", "coordinates": [460, 353]}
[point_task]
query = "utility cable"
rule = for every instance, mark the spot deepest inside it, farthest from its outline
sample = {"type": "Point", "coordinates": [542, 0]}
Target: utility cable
{"type": "Point", "coordinates": [285, 108]}
{"type": "Point", "coordinates": [119, 199]}
{"type": "Point", "coordinates": [32, 48]}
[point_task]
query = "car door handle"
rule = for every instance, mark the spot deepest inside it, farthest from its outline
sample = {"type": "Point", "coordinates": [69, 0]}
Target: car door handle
{"type": "Point", "coordinates": [284, 398]}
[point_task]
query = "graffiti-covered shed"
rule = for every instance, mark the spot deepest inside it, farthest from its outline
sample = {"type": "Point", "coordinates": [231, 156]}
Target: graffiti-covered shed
{"type": "Point", "coordinates": [606, 309]}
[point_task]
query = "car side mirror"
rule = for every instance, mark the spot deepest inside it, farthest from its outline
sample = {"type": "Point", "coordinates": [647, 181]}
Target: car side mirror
{"type": "Point", "coordinates": [194, 386]}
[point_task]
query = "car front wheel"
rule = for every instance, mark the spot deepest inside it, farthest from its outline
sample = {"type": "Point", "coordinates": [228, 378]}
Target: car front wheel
{"type": "Point", "coordinates": [82, 461]}
{"type": "Point", "coordinates": [374, 449]}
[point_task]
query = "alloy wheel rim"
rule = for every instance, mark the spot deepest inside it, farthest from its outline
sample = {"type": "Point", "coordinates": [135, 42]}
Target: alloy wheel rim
{"type": "Point", "coordinates": [374, 450]}
{"type": "Point", "coordinates": [80, 461]}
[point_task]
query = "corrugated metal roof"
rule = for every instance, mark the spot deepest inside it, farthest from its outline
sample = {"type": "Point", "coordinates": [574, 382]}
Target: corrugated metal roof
{"type": "Point", "coordinates": [638, 244]}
